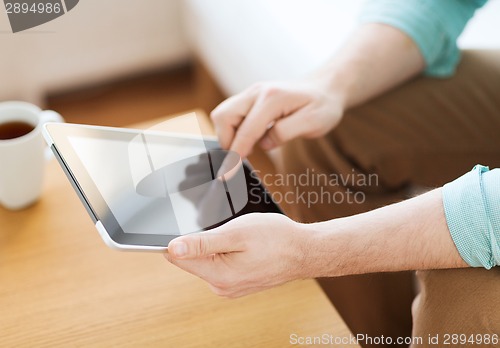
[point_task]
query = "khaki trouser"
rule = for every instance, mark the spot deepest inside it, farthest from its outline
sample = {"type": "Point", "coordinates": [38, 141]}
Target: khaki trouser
{"type": "Point", "coordinates": [422, 134]}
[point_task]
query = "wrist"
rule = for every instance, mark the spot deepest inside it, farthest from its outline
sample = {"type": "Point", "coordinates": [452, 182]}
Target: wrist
{"type": "Point", "coordinates": [329, 249]}
{"type": "Point", "coordinates": [339, 80]}
{"type": "Point", "coordinates": [333, 87]}
{"type": "Point", "coordinates": [318, 250]}
{"type": "Point", "coordinates": [305, 242]}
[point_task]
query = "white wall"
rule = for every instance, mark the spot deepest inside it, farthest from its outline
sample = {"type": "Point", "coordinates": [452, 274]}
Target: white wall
{"type": "Point", "coordinates": [245, 41]}
{"type": "Point", "coordinates": [240, 41]}
{"type": "Point", "coordinates": [97, 40]}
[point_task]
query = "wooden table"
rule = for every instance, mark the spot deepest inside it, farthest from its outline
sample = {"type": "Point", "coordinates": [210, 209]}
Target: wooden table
{"type": "Point", "coordinates": [61, 286]}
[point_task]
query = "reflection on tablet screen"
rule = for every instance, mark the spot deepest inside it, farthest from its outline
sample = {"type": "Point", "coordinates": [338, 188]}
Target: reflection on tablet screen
{"type": "Point", "coordinates": [154, 186]}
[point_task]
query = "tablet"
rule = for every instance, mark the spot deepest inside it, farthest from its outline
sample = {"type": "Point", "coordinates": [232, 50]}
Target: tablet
{"type": "Point", "coordinates": [144, 188]}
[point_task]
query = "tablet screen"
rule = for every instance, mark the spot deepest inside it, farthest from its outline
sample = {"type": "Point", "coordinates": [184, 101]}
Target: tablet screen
{"type": "Point", "coordinates": [108, 164]}
{"type": "Point", "coordinates": [157, 185]}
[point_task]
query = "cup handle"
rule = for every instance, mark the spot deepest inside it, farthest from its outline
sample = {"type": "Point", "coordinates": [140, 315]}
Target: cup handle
{"type": "Point", "coordinates": [50, 116]}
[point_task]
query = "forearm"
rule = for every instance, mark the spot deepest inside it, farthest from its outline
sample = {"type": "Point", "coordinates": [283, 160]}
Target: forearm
{"type": "Point", "coordinates": [405, 236]}
{"type": "Point", "coordinates": [376, 58]}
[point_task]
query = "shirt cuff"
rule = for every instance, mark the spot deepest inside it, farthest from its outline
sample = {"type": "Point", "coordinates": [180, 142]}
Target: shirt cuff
{"type": "Point", "coordinates": [472, 209]}
{"type": "Point", "coordinates": [422, 24]}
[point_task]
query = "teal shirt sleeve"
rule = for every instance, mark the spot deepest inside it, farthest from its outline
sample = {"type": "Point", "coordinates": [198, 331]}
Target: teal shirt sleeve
{"type": "Point", "coordinates": [472, 209]}
{"type": "Point", "coordinates": [433, 25]}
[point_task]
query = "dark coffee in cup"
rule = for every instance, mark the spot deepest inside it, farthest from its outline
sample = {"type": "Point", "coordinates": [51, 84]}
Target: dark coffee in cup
{"type": "Point", "coordinates": [22, 153]}
{"type": "Point", "coordinates": [14, 129]}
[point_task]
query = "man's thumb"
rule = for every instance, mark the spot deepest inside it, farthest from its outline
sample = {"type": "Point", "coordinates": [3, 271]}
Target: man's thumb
{"type": "Point", "coordinates": [198, 245]}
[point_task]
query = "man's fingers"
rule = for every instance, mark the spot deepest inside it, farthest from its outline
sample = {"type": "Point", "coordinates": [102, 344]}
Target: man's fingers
{"type": "Point", "coordinates": [267, 108]}
{"type": "Point", "coordinates": [287, 128]}
{"type": "Point", "coordinates": [272, 105]}
{"type": "Point", "coordinates": [242, 120]}
{"type": "Point", "coordinates": [232, 292]}
{"type": "Point", "coordinates": [199, 267]}
{"type": "Point", "coordinates": [228, 115]}
{"type": "Point", "coordinates": [203, 244]}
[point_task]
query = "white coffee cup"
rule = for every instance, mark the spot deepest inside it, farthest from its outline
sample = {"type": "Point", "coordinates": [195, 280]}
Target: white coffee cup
{"type": "Point", "coordinates": [22, 157]}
